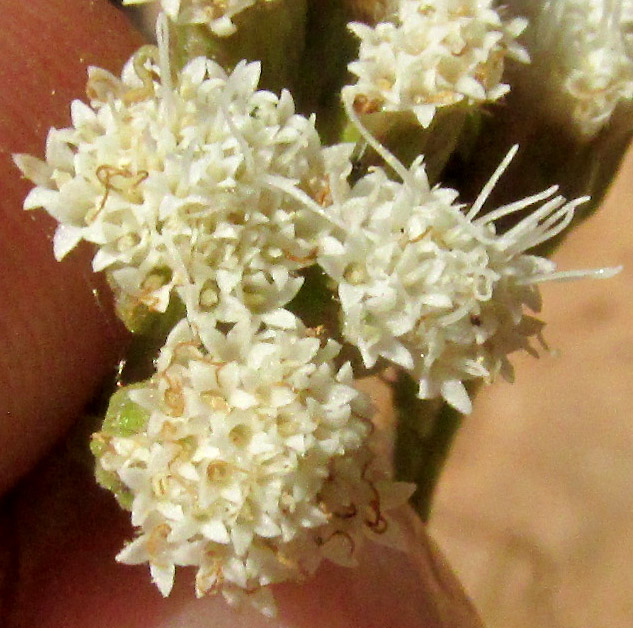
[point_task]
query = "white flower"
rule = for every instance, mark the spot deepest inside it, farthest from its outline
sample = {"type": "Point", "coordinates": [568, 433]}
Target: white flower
{"type": "Point", "coordinates": [583, 57]}
{"type": "Point", "coordinates": [189, 187]}
{"type": "Point", "coordinates": [253, 465]}
{"type": "Point", "coordinates": [434, 54]}
{"type": "Point", "coordinates": [430, 285]}
{"type": "Point", "coordinates": [216, 14]}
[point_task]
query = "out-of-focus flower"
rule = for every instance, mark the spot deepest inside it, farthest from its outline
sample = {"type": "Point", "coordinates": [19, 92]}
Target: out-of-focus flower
{"type": "Point", "coordinates": [252, 465]}
{"type": "Point", "coordinates": [582, 53]}
{"type": "Point", "coordinates": [216, 14]}
{"type": "Point", "coordinates": [427, 55]}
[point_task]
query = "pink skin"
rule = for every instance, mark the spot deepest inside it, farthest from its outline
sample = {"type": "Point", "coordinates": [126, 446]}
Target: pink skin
{"type": "Point", "coordinates": [59, 532]}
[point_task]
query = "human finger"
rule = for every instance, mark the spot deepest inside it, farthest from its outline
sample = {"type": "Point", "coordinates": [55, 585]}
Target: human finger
{"type": "Point", "coordinates": [67, 531]}
{"type": "Point", "coordinates": [58, 338]}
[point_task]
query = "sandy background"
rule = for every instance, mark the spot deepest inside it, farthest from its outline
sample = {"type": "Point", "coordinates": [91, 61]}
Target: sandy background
{"type": "Point", "coordinates": [535, 508]}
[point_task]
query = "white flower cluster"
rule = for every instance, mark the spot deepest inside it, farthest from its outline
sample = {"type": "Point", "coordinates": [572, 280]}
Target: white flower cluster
{"type": "Point", "coordinates": [583, 51]}
{"type": "Point", "coordinates": [253, 464]}
{"type": "Point", "coordinates": [432, 54]}
{"type": "Point", "coordinates": [216, 14]}
{"type": "Point", "coordinates": [190, 187]}
{"type": "Point", "coordinates": [430, 285]}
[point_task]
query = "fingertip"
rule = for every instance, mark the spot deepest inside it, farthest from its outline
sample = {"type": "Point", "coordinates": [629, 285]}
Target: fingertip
{"type": "Point", "coordinates": [63, 518]}
{"type": "Point", "coordinates": [58, 338]}
{"type": "Point", "coordinates": [390, 588]}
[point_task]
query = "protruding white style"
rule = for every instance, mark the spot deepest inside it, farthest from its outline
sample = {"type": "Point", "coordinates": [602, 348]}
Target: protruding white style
{"type": "Point", "coordinates": [253, 465]}
{"type": "Point", "coordinates": [431, 54]}
{"type": "Point", "coordinates": [430, 284]}
{"type": "Point", "coordinates": [193, 184]}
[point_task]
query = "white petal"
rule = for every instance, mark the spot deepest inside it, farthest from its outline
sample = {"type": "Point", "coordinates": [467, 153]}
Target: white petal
{"type": "Point", "coordinates": [36, 170]}
{"type": "Point", "coordinates": [81, 114]}
{"type": "Point", "coordinates": [65, 239]}
{"type": "Point", "coordinates": [41, 197]}
{"type": "Point", "coordinates": [163, 577]}
{"type": "Point", "coordinates": [280, 318]}
{"type": "Point", "coordinates": [216, 531]}
{"type": "Point", "coordinates": [454, 392]}
{"type": "Point", "coordinates": [242, 400]}
{"type": "Point", "coordinates": [134, 553]}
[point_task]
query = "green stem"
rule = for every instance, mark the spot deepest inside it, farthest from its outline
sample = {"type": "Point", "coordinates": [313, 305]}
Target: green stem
{"type": "Point", "coordinates": [272, 33]}
{"type": "Point", "coordinates": [424, 433]}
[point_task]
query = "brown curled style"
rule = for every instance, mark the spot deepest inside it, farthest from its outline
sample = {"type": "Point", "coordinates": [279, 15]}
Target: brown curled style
{"type": "Point", "coordinates": [378, 525]}
{"type": "Point", "coordinates": [324, 508]}
{"type": "Point", "coordinates": [320, 541]}
{"type": "Point", "coordinates": [350, 512]}
{"type": "Point", "coordinates": [146, 298]}
{"type": "Point", "coordinates": [290, 563]}
{"type": "Point", "coordinates": [252, 590]}
{"type": "Point", "coordinates": [366, 421]}
{"type": "Point", "coordinates": [146, 75]}
{"type": "Point", "coordinates": [105, 173]}
{"type": "Point", "coordinates": [421, 236]}
{"type": "Point", "coordinates": [308, 259]}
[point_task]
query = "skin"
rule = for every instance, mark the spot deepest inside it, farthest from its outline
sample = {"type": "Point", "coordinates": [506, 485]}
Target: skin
{"type": "Point", "coordinates": [58, 531]}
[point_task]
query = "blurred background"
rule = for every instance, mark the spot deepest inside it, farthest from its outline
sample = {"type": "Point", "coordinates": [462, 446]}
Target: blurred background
{"type": "Point", "coordinates": [535, 507]}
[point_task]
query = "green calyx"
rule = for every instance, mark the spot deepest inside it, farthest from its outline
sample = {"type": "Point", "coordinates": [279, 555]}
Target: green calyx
{"type": "Point", "coordinates": [124, 418]}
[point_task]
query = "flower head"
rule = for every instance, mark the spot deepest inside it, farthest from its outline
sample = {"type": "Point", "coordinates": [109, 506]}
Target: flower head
{"type": "Point", "coordinates": [183, 185]}
{"type": "Point", "coordinates": [427, 55]}
{"type": "Point", "coordinates": [583, 56]}
{"type": "Point", "coordinates": [216, 14]}
{"type": "Point", "coordinates": [430, 285]}
{"type": "Point", "coordinates": [253, 463]}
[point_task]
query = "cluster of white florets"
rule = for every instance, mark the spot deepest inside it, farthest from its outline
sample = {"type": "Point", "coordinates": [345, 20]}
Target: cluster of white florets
{"type": "Point", "coordinates": [218, 192]}
{"type": "Point", "coordinates": [434, 54]}
{"type": "Point", "coordinates": [429, 285]}
{"type": "Point", "coordinates": [583, 53]}
{"type": "Point", "coordinates": [253, 464]}
{"type": "Point", "coordinates": [216, 14]}
{"type": "Point", "coordinates": [183, 188]}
